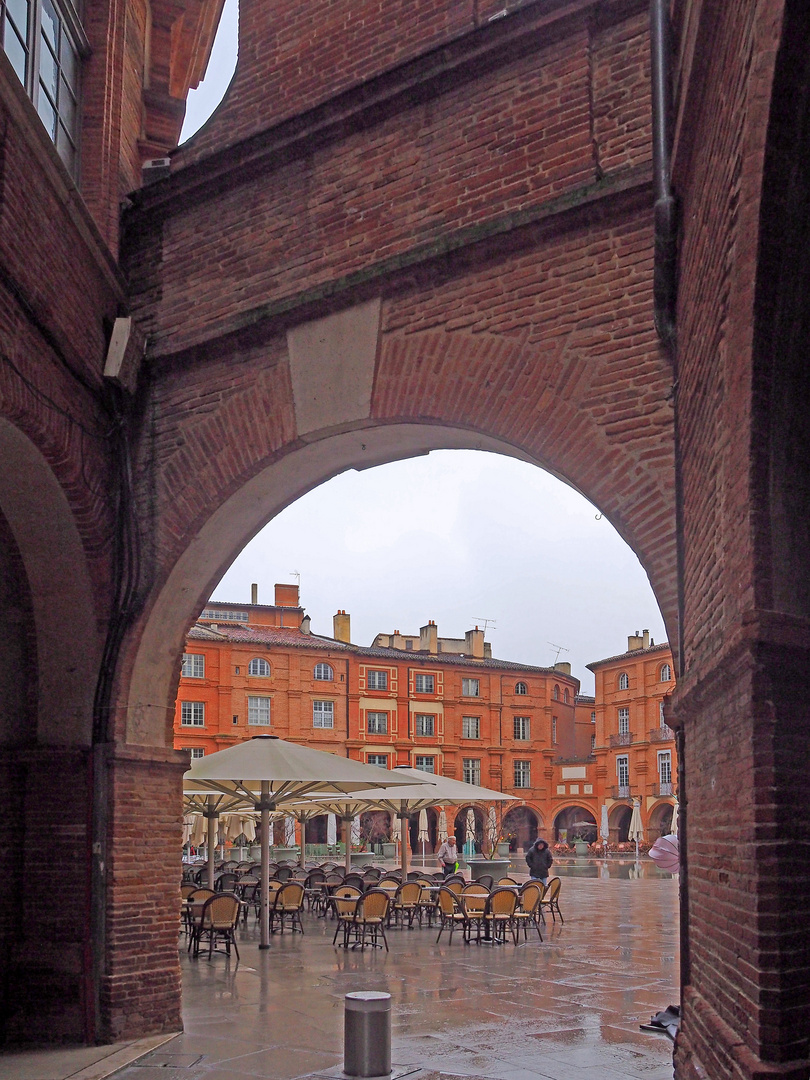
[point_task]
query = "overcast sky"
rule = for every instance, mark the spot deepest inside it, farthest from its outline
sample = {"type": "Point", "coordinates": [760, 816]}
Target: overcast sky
{"type": "Point", "coordinates": [466, 536]}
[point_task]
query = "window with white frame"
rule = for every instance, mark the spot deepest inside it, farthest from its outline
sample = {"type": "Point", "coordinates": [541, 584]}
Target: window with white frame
{"type": "Point", "coordinates": [471, 770]}
{"type": "Point", "coordinates": [471, 687]}
{"type": "Point", "coordinates": [624, 681]}
{"type": "Point", "coordinates": [665, 768]}
{"type": "Point", "coordinates": [566, 696]}
{"type": "Point", "coordinates": [424, 684]}
{"type": "Point", "coordinates": [624, 721]}
{"type": "Point", "coordinates": [192, 713]}
{"type": "Point", "coordinates": [259, 666]}
{"type": "Point", "coordinates": [258, 710]}
{"type": "Point", "coordinates": [523, 773]}
{"type": "Point", "coordinates": [193, 666]}
{"type": "Point", "coordinates": [623, 771]}
{"type": "Point", "coordinates": [377, 680]}
{"type": "Point", "coordinates": [471, 727]}
{"type": "Point", "coordinates": [593, 716]}
{"type": "Point", "coordinates": [42, 40]}
{"type": "Point", "coordinates": [323, 714]}
{"type": "Point", "coordinates": [520, 727]}
{"type": "Point", "coordinates": [424, 763]}
{"type": "Point", "coordinates": [661, 721]}
{"type": "Point", "coordinates": [225, 616]}
{"type": "Point", "coordinates": [593, 743]}
{"type": "Point", "coordinates": [554, 729]}
{"type": "Point", "coordinates": [377, 723]}
{"type": "Point", "coordinates": [196, 752]}
{"type": "Point", "coordinates": [381, 760]}
{"type": "Point", "coordinates": [666, 673]}
{"type": "Point", "coordinates": [324, 673]}
{"type": "Point", "coordinates": [555, 693]}
{"type": "Point", "coordinates": [521, 688]}
{"type": "Point", "coordinates": [425, 724]}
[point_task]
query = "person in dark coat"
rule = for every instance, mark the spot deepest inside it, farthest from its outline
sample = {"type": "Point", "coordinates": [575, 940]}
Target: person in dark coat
{"type": "Point", "coordinates": [539, 859]}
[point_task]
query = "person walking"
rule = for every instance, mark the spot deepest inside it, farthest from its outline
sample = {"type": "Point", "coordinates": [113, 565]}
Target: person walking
{"type": "Point", "coordinates": [539, 859]}
{"type": "Point", "coordinates": [448, 855]}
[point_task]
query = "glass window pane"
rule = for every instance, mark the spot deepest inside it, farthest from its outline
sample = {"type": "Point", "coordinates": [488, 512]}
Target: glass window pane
{"type": "Point", "coordinates": [49, 72]}
{"type": "Point", "coordinates": [15, 51]}
{"type": "Point", "coordinates": [69, 62]}
{"type": "Point", "coordinates": [67, 107]}
{"type": "Point", "coordinates": [50, 24]}
{"type": "Point", "coordinates": [47, 112]}
{"type": "Point", "coordinates": [18, 10]}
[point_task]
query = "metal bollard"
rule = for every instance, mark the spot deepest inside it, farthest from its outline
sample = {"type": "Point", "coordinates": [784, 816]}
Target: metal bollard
{"type": "Point", "coordinates": [367, 1034]}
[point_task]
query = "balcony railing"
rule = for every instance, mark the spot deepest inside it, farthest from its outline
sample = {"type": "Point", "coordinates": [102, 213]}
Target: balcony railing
{"type": "Point", "coordinates": [621, 791]}
{"type": "Point", "coordinates": [621, 740]}
{"type": "Point", "coordinates": [664, 789]}
{"type": "Point", "coordinates": [662, 734]}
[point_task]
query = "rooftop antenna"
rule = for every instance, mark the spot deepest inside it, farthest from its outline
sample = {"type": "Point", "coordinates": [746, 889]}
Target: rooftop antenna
{"type": "Point", "coordinates": [559, 648]}
{"type": "Point", "coordinates": [297, 575]}
{"type": "Point", "coordinates": [487, 623]}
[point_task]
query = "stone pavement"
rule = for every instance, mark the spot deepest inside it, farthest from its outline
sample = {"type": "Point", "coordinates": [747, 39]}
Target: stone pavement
{"type": "Point", "coordinates": [569, 1007]}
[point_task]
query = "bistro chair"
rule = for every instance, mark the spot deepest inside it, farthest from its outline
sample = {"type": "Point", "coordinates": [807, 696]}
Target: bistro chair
{"type": "Point", "coordinates": [314, 887]}
{"type": "Point", "coordinates": [506, 882]}
{"type": "Point", "coordinates": [473, 902]}
{"type": "Point", "coordinates": [344, 902]}
{"type": "Point", "coordinates": [287, 906]}
{"type": "Point", "coordinates": [551, 900]}
{"type": "Point", "coordinates": [454, 884]}
{"type": "Point", "coordinates": [449, 911]}
{"type": "Point", "coordinates": [500, 914]}
{"type": "Point", "coordinates": [226, 881]}
{"type": "Point", "coordinates": [406, 901]}
{"type": "Point", "coordinates": [372, 874]}
{"type": "Point", "coordinates": [355, 879]}
{"type": "Point", "coordinates": [370, 917]}
{"type": "Point", "coordinates": [197, 897]}
{"type": "Point", "coordinates": [218, 922]}
{"type": "Point", "coordinates": [486, 879]}
{"type": "Point", "coordinates": [427, 901]}
{"type": "Point", "coordinates": [528, 910]}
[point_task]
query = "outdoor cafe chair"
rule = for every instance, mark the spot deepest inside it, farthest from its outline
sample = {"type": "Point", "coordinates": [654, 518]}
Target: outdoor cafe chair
{"type": "Point", "coordinates": [528, 909]}
{"type": "Point", "coordinates": [388, 881]}
{"type": "Point", "coordinates": [448, 908]}
{"type": "Point", "coordinates": [486, 879]}
{"type": "Point", "coordinates": [344, 901]}
{"type": "Point", "coordinates": [551, 900]}
{"type": "Point", "coordinates": [405, 904]}
{"type": "Point", "coordinates": [218, 920]}
{"type": "Point", "coordinates": [287, 906]}
{"type": "Point", "coordinates": [187, 888]}
{"type": "Point", "coordinates": [506, 882]}
{"type": "Point", "coordinates": [427, 901]}
{"type": "Point", "coordinates": [500, 914]}
{"type": "Point", "coordinates": [357, 880]}
{"type": "Point", "coordinates": [473, 903]}
{"type": "Point", "coordinates": [372, 873]}
{"type": "Point", "coordinates": [194, 901]}
{"type": "Point", "coordinates": [313, 887]}
{"type": "Point", "coordinates": [226, 881]}
{"type": "Point", "coordinates": [454, 884]}
{"type": "Point", "coordinates": [370, 917]}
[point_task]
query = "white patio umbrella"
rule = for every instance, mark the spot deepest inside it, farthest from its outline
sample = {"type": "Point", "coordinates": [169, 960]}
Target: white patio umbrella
{"type": "Point", "coordinates": [604, 827]}
{"type": "Point", "coordinates": [197, 830]}
{"type": "Point", "coordinates": [636, 830]}
{"type": "Point", "coordinates": [469, 827]}
{"type": "Point", "coordinates": [331, 830]}
{"type": "Point", "coordinates": [674, 825]}
{"type": "Point", "coordinates": [442, 826]}
{"type": "Point", "coordinates": [423, 834]}
{"type": "Point", "coordinates": [265, 772]}
{"type": "Point", "coordinates": [209, 805]}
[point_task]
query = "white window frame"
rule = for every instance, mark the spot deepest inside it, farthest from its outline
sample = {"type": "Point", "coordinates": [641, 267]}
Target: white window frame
{"type": "Point", "coordinates": [192, 714]}
{"type": "Point", "coordinates": [471, 687]}
{"type": "Point", "coordinates": [666, 673]}
{"type": "Point", "coordinates": [521, 688]}
{"type": "Point", "coordinates": [665, 766]}
{"type": "Point", "coordinates": [566, 696]}
{"type": "Point", "coordinates": [193, 666]}
{"type": "Point", "coordinates": [521, 728]}
{"type": "Point", "coordinates": [424, 683]}
{"type": "Point", "coordinates": [624, 681]}
{"type": "Point", "coordinates": [324, 672]}
{"type": "Point", "coordinates": [421, 762]}
{"type": "Point", "coordinates": [623, 770]}
{"type": "Point", "coordinates": [471, 771]}
{"type": "Point", "coordinates": [554, 730]}
{"type": "Point", "coordinates": [258, 710]}
{"type": "Point", "coordinates": [377, 723]}
{"type": "Point", "coordinates": [259, 662]}
{"type": "Point", "coordinates": [522, 773]}
{"type": "Point", "coordinates": [425, 725]}
{"type": "Point", "coordinates": [470, 724]}
{"type": "Point", "coordinates": [555, 693]}
{"type": "Point", "coordinates": [380, 760]}
{"type": "Point", "coordinates": [376, 680]}
{"type": "Point", "coordinates": [323, 711]}
{"type": "Point", "coordinates": [196, 752]}
{"type": "Point", "coordinates": [623, 716]}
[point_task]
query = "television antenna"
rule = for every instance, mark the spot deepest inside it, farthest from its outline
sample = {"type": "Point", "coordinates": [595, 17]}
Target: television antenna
{"type": "Point", "coordinates": [559, 648]}
{"type": "Point", "coordinates": [297, 575]}
{"type": "Point", "coordinates": [487, 623]}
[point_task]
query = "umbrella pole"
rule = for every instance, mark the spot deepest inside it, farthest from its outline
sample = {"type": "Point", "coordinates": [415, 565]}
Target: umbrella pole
{"type": "Point", "coordinates": [403, 839]}
{"type": "Point", "coordinates": [347, 837]}
{"type": "Point", "coordinates": [302, 858]}
{"type": "Point", "coordinates": [264, 922]}
{"type": "Point", "coordinates": [212, 816]}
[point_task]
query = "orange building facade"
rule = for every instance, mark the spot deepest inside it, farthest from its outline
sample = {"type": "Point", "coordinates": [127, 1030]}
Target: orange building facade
{"type": "Point", "coordinates": [442, 705]}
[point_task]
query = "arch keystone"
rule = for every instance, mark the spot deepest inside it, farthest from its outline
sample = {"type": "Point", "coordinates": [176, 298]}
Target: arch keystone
{"type": "Point", "coordinates": [332, 367]}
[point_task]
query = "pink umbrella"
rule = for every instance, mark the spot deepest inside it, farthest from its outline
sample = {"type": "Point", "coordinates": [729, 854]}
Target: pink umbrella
{"type": "Point", "coordinates": [665, 853]}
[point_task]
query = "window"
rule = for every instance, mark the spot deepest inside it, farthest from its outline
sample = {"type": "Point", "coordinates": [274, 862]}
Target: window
{"type": "Point", "coordinates": [593, 743]}
{"type": "Point", "coordinates": [377, 680]}
{"type": "Point", "coordinates": [521, 688]}
{"type": "Point", "coordinates": [258, 710]}
{"type": "Point", "coordinates": [593, 716]}
{"type": "Point", "coordinates": [471, 770]}
{"type": "Point", "coordinates": [377, 723]}
{"type": "Point", "coordinates": [624, 681]}
{"type": "Point", "coordinates": [624, 721]}
{"type": "Point", "coordinates": [381, 760]}
{"type": "Point", "coordinates": [554, 729]}
{"type": "Point", "coordinates": [192, 713]}
{"type": "Point", "coordinates": [45, 54]}
{"type": "Point", "coordinates": [555, 693]}
{"type": "Point", "coordinates": [323, 714]}
{"type": "Point", "coordinates": [425, 764]}
{"type": "Point", "coordinates": [521, 727]}
{"type": "Point", "coordinates": [258, 666]}
{"type": "Point", "coordinates": [423, 684]}
{"type": "Point", "coordinates": [193, 666]}
{"type": "Point", "coordinates": [425, 724]}
{"type": "Point", "coordinates": [470, 687]}
{"type": "Point", "coordinates": [623, 771]}
{"type": "Point", "coordinates": [471, 727]}
{"type": "Point", "coordinates": [225, 616]}
{"type": "Point", "coordinates": [196, 752]}
{"type": "Point", "coordinates": [523, 774]}
{"type": "Point", "coordinates": [661, 721]}
{"type": "Point", "coordinates": [666, 673]}
{"type": "Point", "coordinates": [566, 696]}
{"type": "Point", "coordinates": [665, 766]}
{"type": "Point", "coordinates": [324, 673]}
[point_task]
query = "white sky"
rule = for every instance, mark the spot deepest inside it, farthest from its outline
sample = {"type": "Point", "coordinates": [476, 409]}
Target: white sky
{"type": "Point", "coordinates": [457, 536]}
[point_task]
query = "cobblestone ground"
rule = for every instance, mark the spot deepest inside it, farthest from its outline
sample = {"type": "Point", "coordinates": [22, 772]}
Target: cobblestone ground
{"type": "Point", "coordinates": [569, 1007]}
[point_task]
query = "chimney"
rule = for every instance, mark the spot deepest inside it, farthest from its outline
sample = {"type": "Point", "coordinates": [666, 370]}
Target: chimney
{"type": "Point", "coordinates": [635, 642]}
{"type": "Point", "coordinates": [646, 638]}
{"type": "Point", "coordinates": [429, 638]}
{"type": "Point", "coordinates": [474, 643]}
{"type": "Point", "coordinates": [563, 667]}
{"type": "Point", "coordinates": [254, 593]}
{"type": "Point", "coordinates": [341, 627]}
{"type": "Point", "coordinates": [306, 624]}
{"type": "Point", "coordinates": [287, 596]}
{"type": "Point", "coordinates": [397, 641]}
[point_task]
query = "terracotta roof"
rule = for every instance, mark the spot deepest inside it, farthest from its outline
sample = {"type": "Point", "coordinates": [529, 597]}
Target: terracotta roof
{"type": "Point", "coordinates": [662, 647]}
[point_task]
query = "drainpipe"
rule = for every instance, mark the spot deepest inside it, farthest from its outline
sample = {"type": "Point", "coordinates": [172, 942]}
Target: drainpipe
{"type": "Point", "coordinates": [666, 210]}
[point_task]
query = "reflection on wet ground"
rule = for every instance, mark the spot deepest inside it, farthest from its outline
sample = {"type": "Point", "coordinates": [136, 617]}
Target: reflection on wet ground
{"type": "Point", "coordinates": [564, 1008]}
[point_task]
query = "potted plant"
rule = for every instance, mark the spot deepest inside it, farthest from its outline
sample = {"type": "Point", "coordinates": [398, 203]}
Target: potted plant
{"type": "Point", "coordinates": [494, 860]}
{"type": "Point", "coordinates": [580, 844]}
